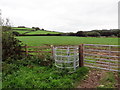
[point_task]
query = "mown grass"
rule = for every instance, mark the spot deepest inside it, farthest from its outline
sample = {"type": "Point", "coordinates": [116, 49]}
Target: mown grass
{"type": "Point", "coordinates": [66, 40]}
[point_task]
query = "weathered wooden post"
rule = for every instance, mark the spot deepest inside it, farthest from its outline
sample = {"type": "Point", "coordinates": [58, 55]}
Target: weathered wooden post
{"type": "Point", "coordinates": [52, 48]}
{"type": "Point", "coordinates": [81, 55]}
{"type": "Point", "coordinates": [26, 50]}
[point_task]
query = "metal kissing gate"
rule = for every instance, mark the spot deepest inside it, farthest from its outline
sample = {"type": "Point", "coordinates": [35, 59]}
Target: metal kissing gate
{"type": "Point", "coordinates": [66, 57]}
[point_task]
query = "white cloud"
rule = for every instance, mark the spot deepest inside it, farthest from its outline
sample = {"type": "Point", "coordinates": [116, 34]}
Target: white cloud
{"type": "Point", "coordinates": [62, 15]}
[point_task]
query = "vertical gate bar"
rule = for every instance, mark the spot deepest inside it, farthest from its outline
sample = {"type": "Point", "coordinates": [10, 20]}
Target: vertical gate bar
{"type": "Point", "coordinates": [81, 55]}
{"type": "Point", "coordinates": [55, 55]}
{"type": "Point", "coordinates": [109, 55]}
{"type": "Point", "coordinates": [118, 64]}
{"type": "Point", "coordinates": [74, 61]}
{"type": "Point", "coordinates": [68, 53]}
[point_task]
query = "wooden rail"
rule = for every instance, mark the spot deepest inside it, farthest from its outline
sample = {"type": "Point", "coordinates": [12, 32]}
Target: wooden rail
{"type": "Point", "coordinates": [37, 49]}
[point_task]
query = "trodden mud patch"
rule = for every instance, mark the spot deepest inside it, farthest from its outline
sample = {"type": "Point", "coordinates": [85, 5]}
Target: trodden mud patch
{"type": "Point", "coordinates": [93, 78]}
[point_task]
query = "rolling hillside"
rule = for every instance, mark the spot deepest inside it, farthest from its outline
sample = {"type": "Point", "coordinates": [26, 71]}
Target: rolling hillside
{"type": "Point", "coordinates": [30, 31]}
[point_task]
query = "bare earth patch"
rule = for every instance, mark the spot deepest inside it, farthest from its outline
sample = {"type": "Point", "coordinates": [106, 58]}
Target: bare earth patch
{"type": "Point", "coordinates": [93, 79]}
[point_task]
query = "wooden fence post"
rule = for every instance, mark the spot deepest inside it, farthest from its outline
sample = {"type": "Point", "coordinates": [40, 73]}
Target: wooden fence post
{"type": "Point", "coordinates": [81, 55]}
{"type": "Point", "coordinates": [52, 47]}
{"type": "Point", "coordinates": [26, 50]}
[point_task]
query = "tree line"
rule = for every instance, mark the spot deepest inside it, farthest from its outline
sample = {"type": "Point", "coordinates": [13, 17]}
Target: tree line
{"type": "Point", "coordinates": [96, 33]}
{"type": "Point", "coordinates": [93, 33]}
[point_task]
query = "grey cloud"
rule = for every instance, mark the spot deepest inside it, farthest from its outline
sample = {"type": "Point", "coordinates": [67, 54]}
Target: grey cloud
{"type": "Point", "coordinates": [62, 15]}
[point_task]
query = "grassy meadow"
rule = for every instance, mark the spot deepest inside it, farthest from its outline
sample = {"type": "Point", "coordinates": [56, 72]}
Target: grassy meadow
{"type": "Point", "coordinates": [30, 31]}
{"type": "Point", "coordinates": [20, 31]}
{"type": "Point", "coordinates": [15, 28]}
{"type": "Point", "coordinates": [66, 40]}
{"type": "Point", "coordinates": [42, 32]}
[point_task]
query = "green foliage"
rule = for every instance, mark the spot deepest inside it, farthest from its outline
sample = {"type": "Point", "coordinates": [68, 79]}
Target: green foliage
{"type": "Point", "coordinates": [0, 80]}
{"type": "Point", "coordinates": [28, 73]}
{"type": "Point", "coordinates": [11, 47]}
{"type": "Point", "coordinates": [15, 33]}
{"type": "Point", "coordinates": [36, 28]}
{"type": "Point", "coordinates": [42, 77]}
{"type": "Point", "coordinates": [21, 27]}
{"type": "Point", "coordinates": [93, 34]}
{"type": "Point", "coordinates": [9, 68]}
{"type": "Point", "coordinates": [81, 34]}
{"type": "Point", "coordinates": [28, 61]}
{"type": "Point", "coordinates": [6, 28]}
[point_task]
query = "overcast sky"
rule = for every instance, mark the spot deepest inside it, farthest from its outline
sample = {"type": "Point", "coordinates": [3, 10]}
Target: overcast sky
{"type": "Point", "coordinates": [62, 15]}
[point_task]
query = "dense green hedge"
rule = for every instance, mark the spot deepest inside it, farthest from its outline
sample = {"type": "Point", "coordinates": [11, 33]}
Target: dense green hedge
{"type": "Point", "coordinates": [11, 47]}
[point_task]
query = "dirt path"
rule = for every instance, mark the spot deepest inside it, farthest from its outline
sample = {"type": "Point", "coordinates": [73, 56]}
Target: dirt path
{"type": "Point", "coordinates": [93, 79]}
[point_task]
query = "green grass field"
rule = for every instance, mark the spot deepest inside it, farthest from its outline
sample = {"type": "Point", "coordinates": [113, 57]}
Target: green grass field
{"type": "Point", "coordinates": [23, 30]}
{"type": "Point", "coordinates": [15, 28]}
{"type": "Point", "coordinates": [66, 40]}
{"type": "Point", "coordinates": [42, 32]}
{"type": "Point", "coordinates": [20, 31]}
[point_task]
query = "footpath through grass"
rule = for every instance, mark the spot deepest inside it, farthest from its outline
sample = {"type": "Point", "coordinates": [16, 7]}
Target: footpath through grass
{"type": "Point", "coordinates": [66, 40]}
{"type": "Point", "coordinates": [108, 81]}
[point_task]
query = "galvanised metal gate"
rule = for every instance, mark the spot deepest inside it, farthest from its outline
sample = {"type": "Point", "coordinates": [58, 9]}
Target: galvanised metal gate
{"type": "Point", "coordinates": [102, 56]}
{"type": "Point", "coordinates": [66, 57]}
{"type": "Point", "coordinates": [106, 57]}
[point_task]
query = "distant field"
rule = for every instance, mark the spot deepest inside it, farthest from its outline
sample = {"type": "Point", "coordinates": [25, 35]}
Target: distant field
{"type": "Point", "coordinates": [42, 32]}
{"type": "Point", "coordinates": [23, 30]}
{"type": "Point", "coordinates": [20, 31]}
{"type": "Point", "coordinates": [65, 40]}
{"type": "Point", "coordinates": [15, 28]}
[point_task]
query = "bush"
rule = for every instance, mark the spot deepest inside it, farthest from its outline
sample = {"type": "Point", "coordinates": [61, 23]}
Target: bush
{"type": "Point", "coordinates": [6, 28]}
{"type": "Point", "coordinates": [11, 47]}
{"type": "Point", "coordinates": [15, 33]}
{"type": "Point", "coordinates": [81, 34]}
{"type": "Point", "coordinates": [21, 27]}
{"type": "Point", "coordinates": [93, 34]}
{"type": "Point", "coordinates": [36, 28]}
